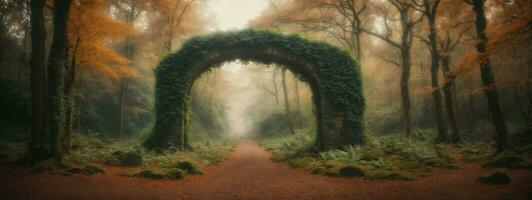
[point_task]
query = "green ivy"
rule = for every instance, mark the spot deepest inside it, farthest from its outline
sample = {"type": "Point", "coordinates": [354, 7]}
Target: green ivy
{"type": "Point", "coordinates": [337, 71]}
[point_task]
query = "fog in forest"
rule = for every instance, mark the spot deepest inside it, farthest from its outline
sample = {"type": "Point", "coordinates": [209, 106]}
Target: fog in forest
{"type": "Point", "coordinates": [265, 99]}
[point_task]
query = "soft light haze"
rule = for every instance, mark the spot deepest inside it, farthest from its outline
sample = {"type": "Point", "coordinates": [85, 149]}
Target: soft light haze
{"type": "Point", "coordinates": [234, 14]}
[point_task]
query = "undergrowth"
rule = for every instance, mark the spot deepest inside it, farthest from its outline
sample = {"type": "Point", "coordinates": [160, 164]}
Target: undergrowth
{"type": "Point", "coordinates": [95, 150]}
{"type": "Point", "coordinates": [392, 157]}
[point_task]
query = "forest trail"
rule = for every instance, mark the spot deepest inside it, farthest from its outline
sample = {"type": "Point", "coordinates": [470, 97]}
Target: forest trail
{"type": "Point", "coordinates": [249, 174]}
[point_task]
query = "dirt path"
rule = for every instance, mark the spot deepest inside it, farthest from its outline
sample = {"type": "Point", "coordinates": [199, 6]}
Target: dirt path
{"type": "Point", "coordinates": [249, 174]}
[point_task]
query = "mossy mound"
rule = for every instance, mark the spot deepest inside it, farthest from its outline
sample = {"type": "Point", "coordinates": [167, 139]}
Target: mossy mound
{"type": "Point", "coordinates": [388, 175]}
{"type": "Point", "coordinates": [126, 159]}
{"type": "Point", "coordinates": [149, 173]}
{"type": "Point", "coordinates": [159, 173]}
{"type": "Point", "coordinates": [91, 169]}
{"type": "Point", "coordinates": [351, 171]}
{"type": "Point", "coordinates": [496, 178]}
{"type": "Point", "coordinates": [176, 174]}
{"type": "Point", "coordinates": [189, 167]}
{"type": "Point", "coordinates": [505, 160]}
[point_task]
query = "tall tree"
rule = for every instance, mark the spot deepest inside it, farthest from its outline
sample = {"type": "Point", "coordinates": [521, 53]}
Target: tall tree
{"type": "Point", "coordinates": [57, 64]}
{"type": "Point", "coordinates": [454, 23]}
{"type": "Point", "coordinates": [407, 23]}
{"type": "Point", "coordinates": [429, 8]}
{"type": "Point", "coordinates": [38, 79]}
{"type": "Point", "coordinates": [487, 76]}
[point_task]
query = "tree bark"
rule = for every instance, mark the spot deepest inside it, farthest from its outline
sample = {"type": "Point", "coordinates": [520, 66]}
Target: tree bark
{"type": "Point", "coordinates": [37, 81]}
{"type": "Point", "coordinates": [430, 12]}
{"type": "Point", "coordinates": [406, 43]}
{"type": "Point", "coordinates": [56, 67]}
{"type": "Point", "coordinates": [488, 79]}
{"type": "Point", "coordinates": [450, 105]}
{"type": "Point", "coordinates": [287, 103]}
{"type": "Point", "coordinates": [70, 79]}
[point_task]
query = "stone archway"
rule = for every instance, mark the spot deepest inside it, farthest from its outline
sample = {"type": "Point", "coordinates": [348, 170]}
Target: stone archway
{"type": "Point", "coordinates": [332, 74]}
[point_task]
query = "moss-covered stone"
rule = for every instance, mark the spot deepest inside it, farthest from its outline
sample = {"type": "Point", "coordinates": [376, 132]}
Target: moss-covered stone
{"type": "Point", "coordinates": [189, 167]}
{"type": "Point", "coordinates": [176, 174]}
{"type": "Point", "coordinates": [496, 178]}
{"type": "Point", "coordinates": [149, 173]}
{"type": "Point", "coordinates": [388, 175]}
{"type": "Point", "coordinates": [91, 169]}
{"type": "Point", "coordinates": [351, 171]}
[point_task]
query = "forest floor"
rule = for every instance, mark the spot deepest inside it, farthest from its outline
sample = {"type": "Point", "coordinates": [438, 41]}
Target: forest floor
{"type": "Point", "coordinates": [250, 174]}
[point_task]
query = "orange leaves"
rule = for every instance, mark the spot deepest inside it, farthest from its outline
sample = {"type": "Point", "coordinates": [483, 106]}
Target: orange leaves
{"type": "Point", "coordinates": [90, 31]}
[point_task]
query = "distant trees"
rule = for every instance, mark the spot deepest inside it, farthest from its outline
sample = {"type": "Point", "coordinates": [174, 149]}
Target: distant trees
{"type": "Point", "coordinates": [407, 22]}
{"type": "Point", "coordinates": [287, 102]}
{"type": "Point", "coordinates": [447, 34]}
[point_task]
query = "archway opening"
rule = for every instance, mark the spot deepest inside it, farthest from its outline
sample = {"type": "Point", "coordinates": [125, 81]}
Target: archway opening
{"type": "Point", "coordinates": [253, 101]}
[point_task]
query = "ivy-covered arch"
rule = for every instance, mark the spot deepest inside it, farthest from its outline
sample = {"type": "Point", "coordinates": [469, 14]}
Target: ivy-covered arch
{"type": "Point", "coordinates": [332, 74]}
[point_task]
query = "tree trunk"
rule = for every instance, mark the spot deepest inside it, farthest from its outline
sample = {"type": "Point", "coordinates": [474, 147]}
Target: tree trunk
{"type": "Point", "coordinates": [435, 65]}
{"type": "Point", "coordinates": [70, 79]}
{"type": "Point", "coordinates": [287, 103]}
{"type": "Point", "coordinates": [121, 106]}
{"type": "Point", "coordinates": [405, 93]}
{"type": "Point", "coordinates": [56, 67]}
{"type": "Point", "coordinates": [275, 90]}
{"type": "Point", "coordinates": [37, 81]}
{"type": "Point", "coordinates": [405, 47]}
{"type": "Point", "coordinates": [450, 105]}
{"type": "Point", "coordinates": [488, 79]}
{"type": "Point", "coordinates": [298, 100]}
